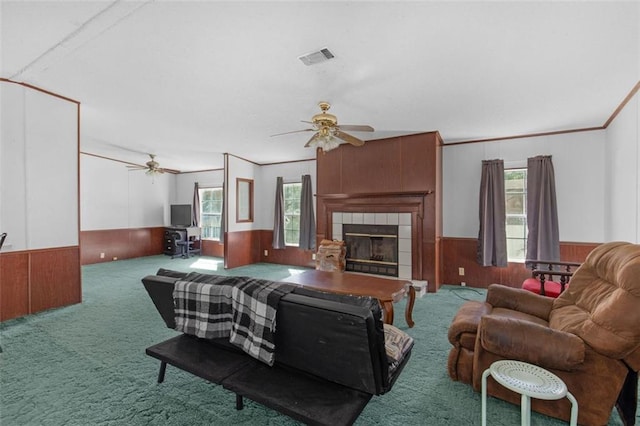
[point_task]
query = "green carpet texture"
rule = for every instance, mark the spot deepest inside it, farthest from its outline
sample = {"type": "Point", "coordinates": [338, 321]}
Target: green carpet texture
{"type": "Point", "coordinates": [86, 364]}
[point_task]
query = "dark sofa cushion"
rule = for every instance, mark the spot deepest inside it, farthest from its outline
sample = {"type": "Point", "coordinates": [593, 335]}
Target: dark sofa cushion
{"type": "Point", "coordinates": [332, 340]}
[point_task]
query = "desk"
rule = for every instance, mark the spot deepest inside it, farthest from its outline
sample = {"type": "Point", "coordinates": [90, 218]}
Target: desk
{"type": "Point", "coordinates": [179, 240]}
{"type": "Point", "coordinates": [386, 290]}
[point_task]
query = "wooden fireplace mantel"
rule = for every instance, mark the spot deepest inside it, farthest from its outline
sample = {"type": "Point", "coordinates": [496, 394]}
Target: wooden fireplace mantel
{"type": "Point", "coordinates": [376, 197]}
{"type": "Point", "coordinates": [378, 202]}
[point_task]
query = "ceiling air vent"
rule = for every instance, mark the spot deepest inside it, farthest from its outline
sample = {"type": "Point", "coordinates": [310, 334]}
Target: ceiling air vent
{"type": "Point", "coordinates": [316, 57]}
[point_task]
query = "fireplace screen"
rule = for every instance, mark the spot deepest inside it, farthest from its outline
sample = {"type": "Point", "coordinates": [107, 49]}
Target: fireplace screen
{"type": "Point", "coordinates": [372, 248]}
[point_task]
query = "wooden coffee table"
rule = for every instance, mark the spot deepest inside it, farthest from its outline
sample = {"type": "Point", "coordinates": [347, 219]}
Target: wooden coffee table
{"type": "Point", "coordinates": [385, 290]}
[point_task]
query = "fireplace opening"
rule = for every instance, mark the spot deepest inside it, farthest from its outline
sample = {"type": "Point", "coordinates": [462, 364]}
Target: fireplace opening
{"type": "Point", "coordinates": [371, 249]}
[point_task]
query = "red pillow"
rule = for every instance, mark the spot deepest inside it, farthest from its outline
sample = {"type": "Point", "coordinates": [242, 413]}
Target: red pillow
{"type": "Point", "coordinates": [551, 288]}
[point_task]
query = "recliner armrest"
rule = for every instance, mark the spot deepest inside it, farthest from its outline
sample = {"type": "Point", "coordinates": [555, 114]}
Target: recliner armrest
{"type": "Point", "coordinates": [513, 338]}
{"type": "Point", "coordinates": [467, 320]}
{"type": "Point", "coordinates": [500, 296]}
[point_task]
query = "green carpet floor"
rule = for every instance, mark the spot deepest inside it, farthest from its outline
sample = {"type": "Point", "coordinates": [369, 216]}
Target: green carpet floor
{"type": "Point", "coordinates": [85, 364]}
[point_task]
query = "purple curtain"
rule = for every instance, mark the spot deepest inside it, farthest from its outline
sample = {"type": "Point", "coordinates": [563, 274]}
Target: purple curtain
{"type": "Point", "coordinates": [195, 209]}
{"type": "Point", "coordinates": [492, 237]}
{"type": "Point", "coordinates": [543, 240]}
{"type": "Point", "coordinates": [307, 218]}
{"type": "Point", "coordinates": [278, 216]}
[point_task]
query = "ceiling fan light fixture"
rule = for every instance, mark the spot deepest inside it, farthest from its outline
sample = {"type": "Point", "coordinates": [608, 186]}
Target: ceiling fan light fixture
{"type": "Point", "coordinates": [313, 58]}
{"type": "Point", "coordinates": [326, 142]}
{"type": "Point", "coordinates": [329, 144]}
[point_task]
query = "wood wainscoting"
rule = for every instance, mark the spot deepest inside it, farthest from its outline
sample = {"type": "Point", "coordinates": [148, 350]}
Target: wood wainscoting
{"type": "Point", "coordinates": [36, 280]}
{"type": "Point", "coordinates": [126, 243]}
{"type": "Point", "coordinates": [247, 247]}
{"type": "Point", "coordinates": [289, 255]}
{"type": "Point", "coordinates": [129, 243]}
{"type": "Point", "coordinates": [461, 253]}
{"type": "Point", "coordinates": [241, 248]}
{"type": "Point", "coordinates": [211, 248]}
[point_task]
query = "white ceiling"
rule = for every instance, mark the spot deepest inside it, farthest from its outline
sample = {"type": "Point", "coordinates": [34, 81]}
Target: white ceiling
{"type": "Point", "coordinates": [189, 80]}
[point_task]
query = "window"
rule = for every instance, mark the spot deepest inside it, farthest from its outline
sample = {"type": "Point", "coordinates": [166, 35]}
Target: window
{"type": "Point", "coordinates": [292, 192]}
{"type": "Point", "coordinates": [210, 212]}
{"type": "Point", "coordinates": [515, 186]}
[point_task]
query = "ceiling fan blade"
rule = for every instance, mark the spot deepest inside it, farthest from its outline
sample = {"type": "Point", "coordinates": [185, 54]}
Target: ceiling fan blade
{"type": "Point", "coordinates": [348, 138]}
{"type": "Point", "coordinates": [136, 167]}
{"type": "Point", "coordinates": [294, 131]}
{"type": "Point", "coordinates": [356, 127]}
{"type": "Point", "coordinates": [313, 138]}
{"type": "Point", "coordinates": [165, 170]}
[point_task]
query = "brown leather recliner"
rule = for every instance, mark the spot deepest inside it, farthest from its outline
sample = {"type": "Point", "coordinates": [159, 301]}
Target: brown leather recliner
{"type": "Point", "coordinates": [589, 336]}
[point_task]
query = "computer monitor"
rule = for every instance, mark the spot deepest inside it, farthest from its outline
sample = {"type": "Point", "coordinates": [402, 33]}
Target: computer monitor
{"type": "Point", "coordinates": [181, 215]}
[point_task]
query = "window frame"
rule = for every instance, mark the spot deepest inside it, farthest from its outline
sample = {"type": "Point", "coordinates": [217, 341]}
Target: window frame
{"type": "Point", "coordinates": [201, 190]}
{"type": "Point", "coordinates": [288, 216]}
{"type": "Point", "coordinates": [522, 216]}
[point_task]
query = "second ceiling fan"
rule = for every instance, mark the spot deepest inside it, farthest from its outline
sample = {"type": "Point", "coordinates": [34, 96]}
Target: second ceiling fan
{"type": "Point", "coordinates": [328, 132]}
{"type": "Point", "coordinates": [152, 167]}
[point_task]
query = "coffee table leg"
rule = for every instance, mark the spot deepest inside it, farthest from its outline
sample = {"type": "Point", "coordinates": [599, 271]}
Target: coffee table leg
{"type": "Point", "coordinates": [388, 312]}
{"type": "Point", "coordinates": [408, 313]}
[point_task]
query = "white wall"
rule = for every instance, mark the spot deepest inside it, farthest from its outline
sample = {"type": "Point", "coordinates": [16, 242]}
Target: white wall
{"type": "Point", "coordinates": [184, 184]}
{"type": "Point", "coordinates": [113, 197]}
{"type": "Point", "coordinates": [579, 172]}
{"type": "Point", "coordinates": [622, 200]}
{"type": "Point", "coordinates": [38, 169]}
{"type": "Point", "coordinates": [290, 172]}
{"type": "Point", "coordinates": [116, 197]}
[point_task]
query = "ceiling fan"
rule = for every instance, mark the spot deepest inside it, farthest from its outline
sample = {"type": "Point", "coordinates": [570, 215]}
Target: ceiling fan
{"type": "Point", "coordinates": [328, 133]}
{"type": "Point", "coordinates": [152, 167]}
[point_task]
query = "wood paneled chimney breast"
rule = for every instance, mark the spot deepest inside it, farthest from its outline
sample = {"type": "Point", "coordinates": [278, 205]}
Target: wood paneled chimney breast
{"type": "Point", "coordinates": [394, 175]}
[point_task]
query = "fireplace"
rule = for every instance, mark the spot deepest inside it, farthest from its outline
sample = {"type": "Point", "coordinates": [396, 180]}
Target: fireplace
{"type": "Point", "coordinates": [372, 248]}
{"type": "Point", "coordinates": [406, 210]}
{"type": "Point", "coordinates": [385, 248]}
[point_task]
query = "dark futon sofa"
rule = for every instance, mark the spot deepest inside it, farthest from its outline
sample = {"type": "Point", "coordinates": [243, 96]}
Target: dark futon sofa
{"type": "Point", "coordinates": [330, 354]}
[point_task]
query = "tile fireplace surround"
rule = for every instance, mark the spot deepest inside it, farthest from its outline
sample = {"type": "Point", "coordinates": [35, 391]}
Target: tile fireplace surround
{"type": "Point", "coordinates": [403, 220]}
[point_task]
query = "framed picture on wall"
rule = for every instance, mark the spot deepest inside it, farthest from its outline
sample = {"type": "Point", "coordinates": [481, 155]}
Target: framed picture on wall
{"type": "Point", "coordinates": [244, 200]}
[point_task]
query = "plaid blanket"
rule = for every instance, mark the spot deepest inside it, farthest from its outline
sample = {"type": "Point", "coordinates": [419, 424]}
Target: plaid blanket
{"type": "Point", "coordinates": [254, 316]}
{"type": "Point", "coordinates": [241, 308]}
{"type": "Point", "coordinates": [203, 309]}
